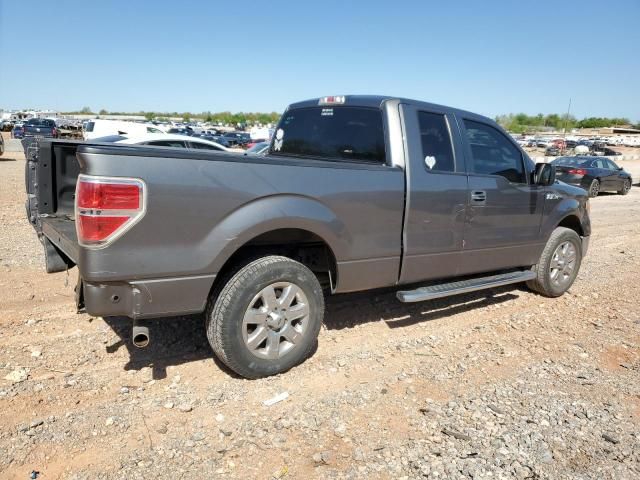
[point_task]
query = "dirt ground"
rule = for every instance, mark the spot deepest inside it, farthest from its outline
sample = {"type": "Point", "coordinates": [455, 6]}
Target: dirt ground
{"type": "Point", "coordinates": [496, 384]}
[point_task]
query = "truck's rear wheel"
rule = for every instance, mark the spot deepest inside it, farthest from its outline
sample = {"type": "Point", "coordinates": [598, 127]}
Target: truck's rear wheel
{"type": "Point", "coordinates": [559, 263]}
{"type": "Point", "coordinates": [266, 318]}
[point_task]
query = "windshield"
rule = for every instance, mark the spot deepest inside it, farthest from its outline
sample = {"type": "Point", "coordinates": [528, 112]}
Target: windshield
{"type": "Point", "coordinates": [336, 133]}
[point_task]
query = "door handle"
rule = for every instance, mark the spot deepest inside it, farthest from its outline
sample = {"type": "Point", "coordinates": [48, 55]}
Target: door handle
{"type": "Point", "coordinates": [479, 197]}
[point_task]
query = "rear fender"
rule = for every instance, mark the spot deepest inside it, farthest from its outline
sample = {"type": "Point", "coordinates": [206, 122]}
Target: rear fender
{"type": "Point", "coordinates": [271, 213]}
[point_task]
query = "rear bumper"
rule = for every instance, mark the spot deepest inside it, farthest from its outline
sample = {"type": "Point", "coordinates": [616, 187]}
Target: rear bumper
{"type": "Point", "coordinates": [585, 245]}
{"type": "Point", "coordinates": [148, 298]}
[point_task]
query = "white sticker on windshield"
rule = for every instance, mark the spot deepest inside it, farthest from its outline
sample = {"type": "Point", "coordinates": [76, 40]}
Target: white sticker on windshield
{"type": "Point", "coordinates": [277, 144]}
{"type": "Point", "coordinates": [430, 161]}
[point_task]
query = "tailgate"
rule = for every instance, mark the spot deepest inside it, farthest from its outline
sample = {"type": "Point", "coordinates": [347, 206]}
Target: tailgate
{"type": "Point", "coordinates": [50, 177]}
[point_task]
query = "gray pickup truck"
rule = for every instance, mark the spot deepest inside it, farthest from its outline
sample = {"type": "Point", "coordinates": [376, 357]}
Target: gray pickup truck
{"type": "Point", "coordinates": [356, 193]}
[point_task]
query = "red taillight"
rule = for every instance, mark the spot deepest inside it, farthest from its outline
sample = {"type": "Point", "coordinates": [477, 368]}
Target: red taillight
{"type": "Point", "coordinates": [54, 132]}
{"type": "Point", "coordinates": [108, 196]}
{"type": "Point", "coordinates": [577, 171]}
{"type": "Point", "coordinates": [106, 208]}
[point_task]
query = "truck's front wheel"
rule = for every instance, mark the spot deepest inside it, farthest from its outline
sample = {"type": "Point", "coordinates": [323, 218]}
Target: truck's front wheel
{"type": "Point", "coordinates": [559, 263]}
{"type": "Point", "coordinates": [266, 318]}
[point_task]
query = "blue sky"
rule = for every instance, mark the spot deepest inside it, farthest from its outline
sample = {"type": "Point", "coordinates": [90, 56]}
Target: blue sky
{"type": "Point", "coordinates": [490, 57]}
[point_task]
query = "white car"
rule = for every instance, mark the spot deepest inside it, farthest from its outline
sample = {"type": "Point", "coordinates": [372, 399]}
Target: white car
{"type": "Point", "coordinates": [164, 140]}
{"type": "Point", "coordinates": [99, 128]}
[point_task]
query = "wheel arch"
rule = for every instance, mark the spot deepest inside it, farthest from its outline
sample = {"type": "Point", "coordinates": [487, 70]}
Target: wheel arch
{"type": "Point", "coordinates": [572, 222]}
{"type": "Point", "coordinates": [289, 225]}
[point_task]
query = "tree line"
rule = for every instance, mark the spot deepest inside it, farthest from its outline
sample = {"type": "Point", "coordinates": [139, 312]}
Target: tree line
{"type": "Point", "coordinates": [521, 122]}
{"type": "Point", "coordinates": [225, 118]}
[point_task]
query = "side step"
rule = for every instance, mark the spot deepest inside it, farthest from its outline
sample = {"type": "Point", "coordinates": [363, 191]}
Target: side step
{"type": "Point", "coordinates": [463, 286]}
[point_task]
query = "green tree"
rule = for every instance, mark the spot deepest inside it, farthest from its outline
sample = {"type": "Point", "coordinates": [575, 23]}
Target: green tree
{"type": "Point", "coordinates": [103, 112]}
{"type": "Point", "coordinates": [86, 110]}
{"type": "Point", "coordinates": [149, 116]}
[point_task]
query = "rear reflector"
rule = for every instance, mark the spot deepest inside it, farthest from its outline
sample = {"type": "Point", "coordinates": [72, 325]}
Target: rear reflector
{"type": "Point", "coordinates": [106, 207]}
{"type": "Point", "coordinates": [97, 228]}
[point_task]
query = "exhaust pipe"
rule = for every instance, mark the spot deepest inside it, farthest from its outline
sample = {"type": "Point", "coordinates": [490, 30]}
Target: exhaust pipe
{"type": "Point", "coordinates": [140, 335]}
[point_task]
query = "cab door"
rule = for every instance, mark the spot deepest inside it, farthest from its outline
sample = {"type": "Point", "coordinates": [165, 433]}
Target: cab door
{"type": "Point", "coordinates": [437, 194]}
{"type": "Point", "coordinates": [504, 217]}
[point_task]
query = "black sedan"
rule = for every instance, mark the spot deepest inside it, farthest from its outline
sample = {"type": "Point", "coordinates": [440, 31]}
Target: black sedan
{"type": "Point", "coordinates": [594, 174]}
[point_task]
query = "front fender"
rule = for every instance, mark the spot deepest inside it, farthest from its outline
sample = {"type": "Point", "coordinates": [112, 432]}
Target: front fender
{"type": "Point", "coordinates": [271, 213]}
{"type": "Point", "coordinates": [556, 211]}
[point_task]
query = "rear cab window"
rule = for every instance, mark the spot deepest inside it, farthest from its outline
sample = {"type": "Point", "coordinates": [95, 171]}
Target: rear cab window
{"type": "Point", "coordinates": [437, 149]}
{"type": "Point", "coordinates": [335, 133]}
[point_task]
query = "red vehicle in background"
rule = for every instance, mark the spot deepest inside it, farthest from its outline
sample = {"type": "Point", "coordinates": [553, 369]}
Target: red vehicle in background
{"type": "Point", "coordinates": [559, 143]}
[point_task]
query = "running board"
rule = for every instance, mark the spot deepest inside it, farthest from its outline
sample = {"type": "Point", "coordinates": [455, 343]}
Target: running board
{"type": "Point", "coordinates": [463, 286]}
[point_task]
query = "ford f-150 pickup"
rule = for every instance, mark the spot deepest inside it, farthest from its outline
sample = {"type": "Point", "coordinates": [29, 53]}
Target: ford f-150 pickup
{"type": "Point", "coordinates": [356, 193]}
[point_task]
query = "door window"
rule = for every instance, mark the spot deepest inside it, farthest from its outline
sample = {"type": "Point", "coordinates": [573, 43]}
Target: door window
{"type": "Point", "coordinates": [203, 146]}
{"type": "Point", "coordinates": [600, 163]}
{"type": "Point", "coordinates": [437, 151]}
{"type": "Point", "coordinates": [493, 154]}
{"type": "Point", "coordinates": [168, 143]}
{"type": "Point", "coordinates": [611, 165]}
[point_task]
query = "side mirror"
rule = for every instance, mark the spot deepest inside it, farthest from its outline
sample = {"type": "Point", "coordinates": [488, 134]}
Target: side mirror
{"type": "Point", "coordinates": [620, 168]}
{"type": "Point", "coordinates": [545, 174]}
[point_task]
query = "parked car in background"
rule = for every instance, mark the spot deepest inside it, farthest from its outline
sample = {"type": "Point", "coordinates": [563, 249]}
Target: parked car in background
{"type": "Point", "coordinates": [594, 174]}
{"type": "Point", "coordinates": [6, 125]}
{"type": "Point", "coordinates": [239, 139]}
{"type": "Point", "coordinates": [552, 151]}
{"type": "Point", "coordinates": [603, 151]}
{"type": "Point", "coordinates": [570, 144]}
{"type": "Point", "coordinates": [163, 140]}
{"type": "Point", "coordinates": [40, 127]}
{"type": "Point", "coordinates": [18, 130]}
{"type": "Point", "coordinates": [260, 148]}
{"type": "Point", "coordinates": [217, 138]}
{"type": "Point", "coordinates": [180, 131]}
{"type": "Point", "coordinates": [542, 143]}
{"type": "Point", "coordinates": [101, 128]}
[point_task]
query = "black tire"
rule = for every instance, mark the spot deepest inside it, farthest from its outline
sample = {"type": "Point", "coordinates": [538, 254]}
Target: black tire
{"type": "Point", "coordinates": [626, 187]}
{"type": "Point", "coordinates": [594, 188]}
{"type": "Point", "coordinates": [543, 283]}
{"type": "Point", "coordinates": [226, 310]}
